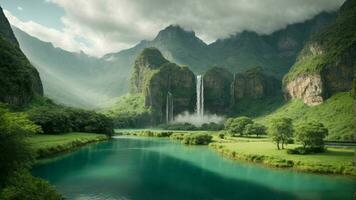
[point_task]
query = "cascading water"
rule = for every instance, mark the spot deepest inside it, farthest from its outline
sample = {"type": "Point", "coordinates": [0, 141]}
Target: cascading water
{"type": "Point", "coordinates": [200, 96]}
{"type": "Point", "coordinates": [169, 108]}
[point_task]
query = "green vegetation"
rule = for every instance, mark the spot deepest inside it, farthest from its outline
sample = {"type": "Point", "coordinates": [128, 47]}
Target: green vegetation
{"type": "Point", "coordinates": [335, 113]}
{"type": "Point", "coordinates": [334, 41]}
{"type": "Point", "coordinates": [332, 161]}
{"type": "Point", "coordinates": [197, 139]}
{"type": "Point", "coordinates": [281, 131]}
{"type": "Point", "coordinates": [255, 129]}
{"type": "Point", "coordinates": [237, 125]}
{"type": "Point", "coordinates": [129, 112]}
{"type": "Point", "coordinates": [16, 157]}
{"type": "Point", "coordinates": [311, 135]}
{"type": "Point", "coordinates": [55, 119]}
{"type": "Point", "coordinates": [49, 145]}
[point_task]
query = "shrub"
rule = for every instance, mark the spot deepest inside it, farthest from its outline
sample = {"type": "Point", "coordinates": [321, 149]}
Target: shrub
{"type": "Point", "coordinates": [212, 126]}
{"type": "Point", "coordinates": [197, 139]}
{"type": "Point", "coordinates": [303, 151]}
{"type": "Point", "coordinates": [179, 126]}
{"type": "Point", "coordinates": [221, 135]}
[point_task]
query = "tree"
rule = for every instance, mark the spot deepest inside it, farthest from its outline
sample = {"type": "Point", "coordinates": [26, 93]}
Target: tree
{"type": "Point", "coordinates": [281, 131]}
{"type": "Point", "coordinates": [311, 135]}
{"type": "Point", "coordinates": [237, 125]}
{"type": "Point", "coordinates": [15, 154]}
{"type": "Point", "coordinates": [255, 128]}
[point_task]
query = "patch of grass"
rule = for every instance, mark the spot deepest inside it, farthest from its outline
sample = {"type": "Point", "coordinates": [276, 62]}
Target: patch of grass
{"type": "Point", "coordinates": [333, 161]}
{"type": "Point", "coordinates": [48, 145]}
{"type": "Point", "coordinates": [335, 113]}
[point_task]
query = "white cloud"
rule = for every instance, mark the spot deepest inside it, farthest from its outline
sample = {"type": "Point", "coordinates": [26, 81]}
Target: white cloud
{"type": "Point", "coordinates": [19, 8]}
{"type": "Point", "coordinates": [111, 25]}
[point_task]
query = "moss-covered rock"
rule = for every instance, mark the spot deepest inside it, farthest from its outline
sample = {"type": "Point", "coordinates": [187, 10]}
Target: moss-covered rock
{"type": "Point", "coordinates": [217, 90]}
{"type": "Point", "coordinates": [19, 80]}
{"type": "Point", "coordinates": [154, 76]}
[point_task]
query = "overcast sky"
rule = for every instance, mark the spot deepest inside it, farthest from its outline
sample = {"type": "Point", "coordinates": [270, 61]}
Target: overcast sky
{"type": "Point", "coordinates": [102, 26]}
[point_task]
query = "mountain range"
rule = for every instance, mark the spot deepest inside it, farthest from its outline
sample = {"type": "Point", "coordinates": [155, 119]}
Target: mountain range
{"type": "Point", "coordinates": [79, 80]}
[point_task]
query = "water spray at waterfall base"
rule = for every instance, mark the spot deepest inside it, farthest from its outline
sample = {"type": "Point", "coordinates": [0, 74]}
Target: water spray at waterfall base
{"type": "Point", "coordinates": [199, 117]}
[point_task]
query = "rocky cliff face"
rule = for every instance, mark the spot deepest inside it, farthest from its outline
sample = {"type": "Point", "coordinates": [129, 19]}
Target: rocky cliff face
{"type": "Point", "coordinates": [222, 90]}
{"type": "Point", "coordinates": [254, 84]}
{"type": "Point", "coordinates": [155, 77]}
{"type": "Point", "coordinates": [325, 66]}
{"type": "Point", "coordinates": [19, 80]}
{"type": "Point", "coordinates": [217, 90]}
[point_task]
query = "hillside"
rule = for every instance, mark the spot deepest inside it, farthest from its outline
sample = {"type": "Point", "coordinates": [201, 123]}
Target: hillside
{"type": "Point", "coordinates": [73, 79]}
{"type": "Point", "coordinates": [335, 113]}
{"type": "Point", "coordinates": [20, 81]}
{"type": "Point", "coordinates": [325, 66]}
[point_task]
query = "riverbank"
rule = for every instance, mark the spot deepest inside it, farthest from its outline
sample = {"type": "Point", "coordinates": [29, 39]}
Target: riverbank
{"type": "Point", "coordinates": [338, 161]}
{"type": "Point", "coordinates": [51, 145]}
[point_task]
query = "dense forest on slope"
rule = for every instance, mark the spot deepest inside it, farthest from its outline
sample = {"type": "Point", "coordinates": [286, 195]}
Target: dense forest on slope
{"type": "Point", "coordinates": [20, 81]}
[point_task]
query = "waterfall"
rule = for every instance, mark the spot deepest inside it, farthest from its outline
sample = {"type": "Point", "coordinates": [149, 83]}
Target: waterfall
{"type": "Point", "coordinates": [169, 108]}
{"type": "Point", "coordinates": [200, 96]}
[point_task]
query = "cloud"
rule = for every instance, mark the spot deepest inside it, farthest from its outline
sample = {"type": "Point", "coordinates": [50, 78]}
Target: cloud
{"type": "Point", "coordinates": [19, 8]}
{"type": "Point", "coordinates": [111, 25]}
{"type": "Point", "coordinates": [58, 38]}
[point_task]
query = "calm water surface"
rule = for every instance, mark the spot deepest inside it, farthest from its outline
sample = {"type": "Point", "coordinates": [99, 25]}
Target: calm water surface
{"type": "Point", "coordinates": [151, 168]}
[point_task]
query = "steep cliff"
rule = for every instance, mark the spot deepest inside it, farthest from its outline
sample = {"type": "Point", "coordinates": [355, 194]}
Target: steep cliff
{"type": "Point", "coordinates": [19, 80]}
{"type": "Point", "coordinates": [155, 78]}
{"type": "Point", "coordinates": [217, 90]}
{"type": "Point", "coordinates": [325, 66]}
{"type": "Point", "coordinates": [255, 84]}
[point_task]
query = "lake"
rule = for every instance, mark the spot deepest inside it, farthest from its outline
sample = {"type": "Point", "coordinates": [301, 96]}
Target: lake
{"type": "Point", "coordinates": [154, 168]}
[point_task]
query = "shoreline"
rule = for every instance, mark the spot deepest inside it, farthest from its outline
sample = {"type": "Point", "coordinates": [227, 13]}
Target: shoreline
{"type": "Point", "coordinates": [59, 149]}
{"type": "Point", "coordinates": [278, 163]}
{"type": "Point", "coordinates": [266, 160]}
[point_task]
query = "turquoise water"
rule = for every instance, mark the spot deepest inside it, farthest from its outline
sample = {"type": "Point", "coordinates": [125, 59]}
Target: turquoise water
{"type": "Point", "coordinates": [151, 168]}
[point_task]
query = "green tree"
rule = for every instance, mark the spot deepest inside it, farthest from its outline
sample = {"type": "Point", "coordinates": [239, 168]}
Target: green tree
{"type": "Point", "coordinates": [255, 129]}
{"type": "Point", "coordinates": [311, 135]}
{"type": "Point", "coordinates": [237, 125]}
{"type": "Point", "coordinates": [15, 154]}
{"type": "Point", "coordinates": [281, 131]}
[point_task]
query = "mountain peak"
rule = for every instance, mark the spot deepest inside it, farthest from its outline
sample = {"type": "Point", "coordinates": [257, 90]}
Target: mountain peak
{"type": "Point", "coordinates": [174, 31]}
{"type": "Point", "coordinates": [5, 29]}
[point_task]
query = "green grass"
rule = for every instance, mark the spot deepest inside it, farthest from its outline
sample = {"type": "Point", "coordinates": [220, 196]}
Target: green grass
{"type": "Point", "coordinates": [333, 161]}
{"type": "Point", "coordinates": [335, 113]}
{"type": "Point", "coordinates": [47, 145]}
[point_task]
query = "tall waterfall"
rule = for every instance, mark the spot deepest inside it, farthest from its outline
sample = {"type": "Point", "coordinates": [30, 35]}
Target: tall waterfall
{"type": "Point", "coordinates": [200, 96]}
{"type": "Point", "coordinates": [169, 108]}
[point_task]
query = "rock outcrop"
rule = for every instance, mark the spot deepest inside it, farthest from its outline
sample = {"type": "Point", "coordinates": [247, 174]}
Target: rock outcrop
{"type": "Point", "coordinates": [222, 90]}
{"type": "Point", "coordinates": [254, 84]}
{"type": "Point", "coordinates": [19, 80]}
{"type": "Point", "coordinates": [217, 90]}
{"type": "Point", "coordinates": [325, 66]}
{"type": "Point", "coordinates": [155, 77]}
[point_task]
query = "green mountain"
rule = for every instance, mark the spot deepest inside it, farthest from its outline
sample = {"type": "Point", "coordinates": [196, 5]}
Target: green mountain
{"type": "Point", "coordinates": [19, 80]}
{"type": "Point", "coordinates": [275, 52]}
{"type": "Point", "coordinates": [326, 64]}
{"type": "Point", "coordinates": [74, 79]}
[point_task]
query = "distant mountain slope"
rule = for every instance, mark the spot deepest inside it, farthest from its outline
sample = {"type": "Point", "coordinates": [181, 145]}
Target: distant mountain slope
{"type": "Point", "coordinates": [275, 52]}
{"type": "Point", "coordinates": [73, 79]}
{"type": "Point", "coordinates": [19, 80]}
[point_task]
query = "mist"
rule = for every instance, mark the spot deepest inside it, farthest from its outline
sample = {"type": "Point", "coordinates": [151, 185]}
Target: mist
{"type": "Point", "coordinates": [198, 120]}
